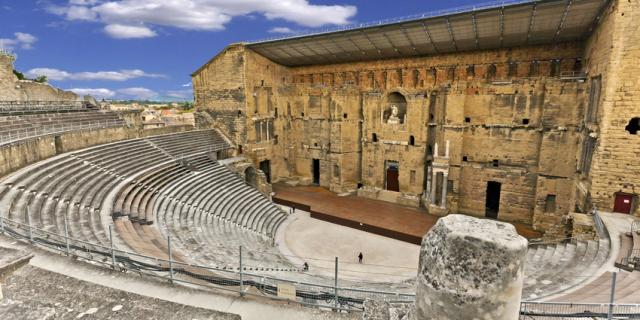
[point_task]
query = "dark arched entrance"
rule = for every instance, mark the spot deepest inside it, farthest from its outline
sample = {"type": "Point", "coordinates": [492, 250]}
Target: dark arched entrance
{"type": "Point", "coordinates": [250, 176]}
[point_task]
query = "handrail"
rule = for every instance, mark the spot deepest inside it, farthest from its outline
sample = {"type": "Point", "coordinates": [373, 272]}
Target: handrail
{"type": "Point", "coordinates": [49, 129]}
{"type": "Point", "coordinates": [600, 228]}
{"type": "Point", "coordinates": [40, 102]}
{"type": "Point", "coordinates": [318, 295]}
{"type": "Point", "coordinates": [315, 294]}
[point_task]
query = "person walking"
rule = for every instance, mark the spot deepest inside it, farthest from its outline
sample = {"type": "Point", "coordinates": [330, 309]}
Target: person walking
{"type": "Point", "coordinates": [360, 256]}
{"type": "Point", "coordinates": [305, 267]}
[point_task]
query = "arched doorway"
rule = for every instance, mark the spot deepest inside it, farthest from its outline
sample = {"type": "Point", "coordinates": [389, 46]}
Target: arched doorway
{"type": "Point", "coordinates": [391, 177]}
{"type": "Point", "coordinates": [250, 176]}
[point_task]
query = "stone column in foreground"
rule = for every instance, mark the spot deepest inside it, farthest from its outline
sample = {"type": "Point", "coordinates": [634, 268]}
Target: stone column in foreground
{"type": "Point", "coordinates": [470, 269]}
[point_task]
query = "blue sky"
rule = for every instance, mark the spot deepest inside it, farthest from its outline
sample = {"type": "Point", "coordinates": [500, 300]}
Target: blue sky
{"type": "Point", "coordinates": [138, 49]}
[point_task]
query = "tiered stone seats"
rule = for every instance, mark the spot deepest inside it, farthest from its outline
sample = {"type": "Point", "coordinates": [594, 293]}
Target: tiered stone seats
{"type": "Point", "coordinates": [553, 268]}
{"type": "Point", "coordinates": [75, 185]}
{"type": "Point", "coordinates": [25, 126]}
{"type": "Point", "coordinates": [207, 210]}
{"type": "Point", "coordinates": [209, 213]}
{"type": "Point", "coordinates": [599, 290]}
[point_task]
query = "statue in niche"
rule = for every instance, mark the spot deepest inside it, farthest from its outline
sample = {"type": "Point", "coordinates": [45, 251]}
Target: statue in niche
{"type": "Point", "coordinates": [393, 118]}
{"type": "Point", "coordinates": [394, 114]}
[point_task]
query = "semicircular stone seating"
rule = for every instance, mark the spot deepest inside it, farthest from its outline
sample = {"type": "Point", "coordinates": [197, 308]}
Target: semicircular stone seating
{"type": "Point", "coordinates": [209, 213]}
{"type": "Point", "coordinates": [73, 186]}
{"type": "Point", "coordinates": [553, 268]}
{"type": "Point", "coordinates": [167, 186]}
{"type": "Point", "coordinates": [599, 290]}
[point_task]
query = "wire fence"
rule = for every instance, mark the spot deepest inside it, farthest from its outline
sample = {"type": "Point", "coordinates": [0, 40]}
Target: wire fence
{"type": "Point", "coordinates": [239, 280]}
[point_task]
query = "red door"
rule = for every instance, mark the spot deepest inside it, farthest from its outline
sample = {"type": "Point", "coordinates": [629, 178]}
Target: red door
{"type": "Point", "coordinates": [392, 179]}
{"type": "Point", "coordinates": [623, 203]}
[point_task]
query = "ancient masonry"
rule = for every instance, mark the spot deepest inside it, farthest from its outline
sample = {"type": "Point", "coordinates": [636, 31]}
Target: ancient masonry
{"type": "Point", "coordinates": [13, 89]}
{"type": "Point", "coordinates": [524, 134]}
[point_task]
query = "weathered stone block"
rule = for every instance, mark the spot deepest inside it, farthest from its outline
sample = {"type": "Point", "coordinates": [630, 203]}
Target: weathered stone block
{"type": "Point", "coordinates": [470, 269]}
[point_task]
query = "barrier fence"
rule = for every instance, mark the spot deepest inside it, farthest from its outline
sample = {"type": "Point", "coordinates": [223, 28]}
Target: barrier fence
{"type": "Point", "coordinates": [552, 310]}
{"type": "Point", "coordinates": [332, 297]}
{"type": "Point", "coordinates": [36, 106]}
{"type": "Point", "coordinates": [40, 130]}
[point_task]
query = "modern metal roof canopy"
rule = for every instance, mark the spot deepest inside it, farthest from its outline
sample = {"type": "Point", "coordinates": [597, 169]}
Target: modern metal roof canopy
{"type": "Point", "coordinates": [496, 25]}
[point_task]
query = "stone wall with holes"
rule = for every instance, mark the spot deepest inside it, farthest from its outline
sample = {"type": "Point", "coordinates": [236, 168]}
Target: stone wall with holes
{"type": "Point", "coordinates": [612, 53]}
{"type": "Point", "coordinates": [12, 89]}
{"type": "Point", "coordinates": [507, 116]}
{"type": "Point", "coordinates": [220, 93]}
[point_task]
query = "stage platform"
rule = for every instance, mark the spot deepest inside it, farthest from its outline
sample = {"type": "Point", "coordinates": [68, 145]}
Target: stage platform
{"type": "Point", "coordinates": [379, 217]}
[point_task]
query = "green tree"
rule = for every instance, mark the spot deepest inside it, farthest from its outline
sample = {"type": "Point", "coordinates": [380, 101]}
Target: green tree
{"type": "Point", "coordinates": [19, 74]}
{"type": "Point", "coordinates": [41, 79]}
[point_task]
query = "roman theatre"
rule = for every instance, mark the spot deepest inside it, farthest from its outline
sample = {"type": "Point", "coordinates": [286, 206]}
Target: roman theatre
{"type": "Point", "coordinates": [310, 149]}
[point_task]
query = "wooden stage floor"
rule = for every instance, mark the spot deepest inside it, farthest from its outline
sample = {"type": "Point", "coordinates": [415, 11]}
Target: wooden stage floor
{"type": "Point", "coordinates": [380, 217]}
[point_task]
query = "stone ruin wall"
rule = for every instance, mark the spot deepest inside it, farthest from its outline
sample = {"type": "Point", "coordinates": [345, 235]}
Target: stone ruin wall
{"type": "Point", "coordinates": [220, 95]}
{"type": "Point", "coordinates": [25, 90]}
{"type": "Point", "coordinates": [331, 113]}
{"type": "Point", "coordinates": [613, 53]}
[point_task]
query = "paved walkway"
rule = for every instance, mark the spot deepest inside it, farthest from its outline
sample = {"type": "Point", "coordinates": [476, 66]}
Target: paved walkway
{"type": "Point", "coordinates": [249, 308]}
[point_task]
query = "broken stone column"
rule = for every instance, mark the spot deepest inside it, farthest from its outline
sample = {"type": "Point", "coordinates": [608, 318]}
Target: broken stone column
{"type": "Point", "coordinates": [470, 269]}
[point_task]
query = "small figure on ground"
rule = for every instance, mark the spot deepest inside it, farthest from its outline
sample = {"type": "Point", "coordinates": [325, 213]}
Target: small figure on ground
{"type": "Point", "coordinates": [360, 256]}
{"type": "Point", "coordinates": [305, 267]}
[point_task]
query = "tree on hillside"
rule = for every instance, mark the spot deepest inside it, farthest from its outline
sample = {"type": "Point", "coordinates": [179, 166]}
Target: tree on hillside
{"type": "Point", "coordinates": [41, 79]}
{"type": "Point", "coordinates": [19, 74]}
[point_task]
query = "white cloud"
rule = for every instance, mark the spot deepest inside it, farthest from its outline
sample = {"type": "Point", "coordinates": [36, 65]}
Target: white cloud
{"type": "Point", "coordinates": [180, 94]}
{"type": "Point", "coordinates": [120, 31]}
{"type": "Point", "coordinates": [98, 93]}
{"type": "Point", "coordinates": [138, 93]}
{"type": "Point", "coordinates": [135, 93]}
{"type": "Point", "coordinates": [83, 2]}
{"type": "Point", "coordinates": [135, 18]}
{"type": "Point", "coordinates": [280, 30]}
{"type": "Point", "coordinates": [61, 75]}
{"type": "Point", "coordinates": [20, 40]}
{"type": "Point", "coordinates": [79, 13]}
{"type": "Point", "coordinates": [188, 84]}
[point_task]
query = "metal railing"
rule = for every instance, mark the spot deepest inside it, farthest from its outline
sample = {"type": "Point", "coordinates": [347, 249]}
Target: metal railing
{"type": "Point", "coordinates": [36, 106]}
{"type": "Point", "coordinates": [239, 280]}
{"type": "Point", "coordinates": [554, 310]}
{"type": "Point", "coordinates": [242, 282]}
{"type": "Point", "coordinates": [600, 228]}
{"type": "Point", "coordinates": [12, 136]}
{"type": "Point", "coordinates": [426, 15]}
{"type": "Point", "coordinates": [632, 261]}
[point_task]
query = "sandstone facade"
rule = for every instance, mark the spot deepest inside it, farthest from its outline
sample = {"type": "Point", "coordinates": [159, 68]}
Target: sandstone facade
{"type": "Point", "coordinates": [507, 132]}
